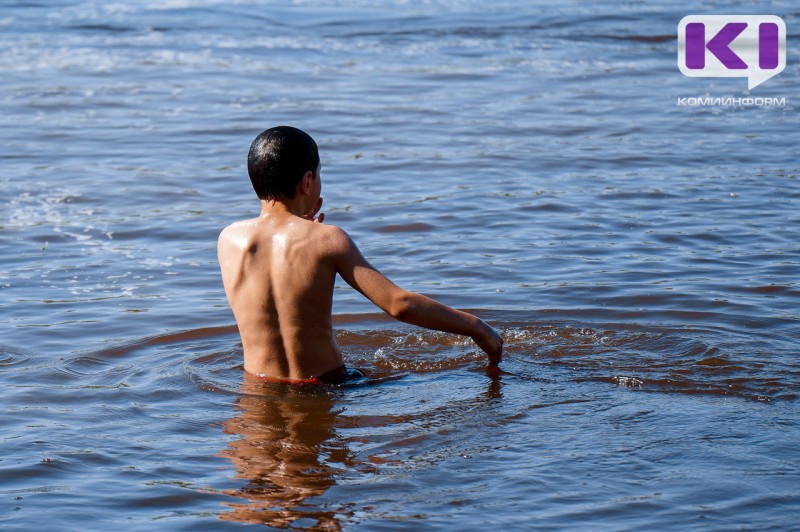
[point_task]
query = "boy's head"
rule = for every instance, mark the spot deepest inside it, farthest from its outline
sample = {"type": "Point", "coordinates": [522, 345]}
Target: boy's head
{"type": "Point", "coordinates": [278, 160]}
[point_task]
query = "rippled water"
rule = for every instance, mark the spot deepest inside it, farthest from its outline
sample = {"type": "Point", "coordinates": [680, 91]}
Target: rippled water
{"type": "Point", "coordinates": [528, 162]}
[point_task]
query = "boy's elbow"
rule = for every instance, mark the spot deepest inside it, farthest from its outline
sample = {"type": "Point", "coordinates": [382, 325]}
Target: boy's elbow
{"type": "Point", "coordinates": [401, 305]}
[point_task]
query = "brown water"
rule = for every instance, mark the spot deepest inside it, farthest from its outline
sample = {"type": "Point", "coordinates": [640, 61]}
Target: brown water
{"type": "Point", "coordinates": [640, 259]}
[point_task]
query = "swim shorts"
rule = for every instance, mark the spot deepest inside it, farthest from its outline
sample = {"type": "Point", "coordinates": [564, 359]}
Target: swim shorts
{"type": "Point", "coordinates": [340, 375]}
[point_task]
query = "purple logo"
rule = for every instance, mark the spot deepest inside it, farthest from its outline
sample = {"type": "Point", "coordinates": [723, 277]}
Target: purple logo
{"type": "Point", "coordinates": [723, 46]}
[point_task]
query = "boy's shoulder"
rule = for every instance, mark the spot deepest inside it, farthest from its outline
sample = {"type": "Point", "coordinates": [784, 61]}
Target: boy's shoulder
{"type": "Point", "coordinates": [329, 241]}
{"type": "Point", "coordinates": [333, 236]}
{"type": "Point", "coordinates": [236, 231]}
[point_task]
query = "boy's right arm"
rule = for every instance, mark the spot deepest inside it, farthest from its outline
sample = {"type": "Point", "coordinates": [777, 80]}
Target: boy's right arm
{"type": "Point", "coordinates": [407, 306]}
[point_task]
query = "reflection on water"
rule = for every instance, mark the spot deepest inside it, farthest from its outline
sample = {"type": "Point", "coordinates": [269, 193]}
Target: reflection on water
{"type": "Point", "coordinates": [294, 442]}
{"type": "Point", "coordinates": [287, 443]}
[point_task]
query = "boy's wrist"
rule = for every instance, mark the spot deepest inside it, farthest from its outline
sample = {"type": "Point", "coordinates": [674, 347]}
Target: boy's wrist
{"type": "Point", "coordinates": [478, 326]}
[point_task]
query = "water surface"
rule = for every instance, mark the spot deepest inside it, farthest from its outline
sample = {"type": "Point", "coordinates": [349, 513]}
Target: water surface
{"type": "Point", "coordinates": [528, 163]}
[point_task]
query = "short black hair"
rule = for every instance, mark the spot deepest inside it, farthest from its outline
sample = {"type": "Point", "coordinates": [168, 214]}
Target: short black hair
{"type": "Point", "coordinates": [278, 159]}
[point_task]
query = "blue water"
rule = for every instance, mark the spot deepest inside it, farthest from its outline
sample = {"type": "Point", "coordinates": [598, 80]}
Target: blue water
{"type": "Point", "coordinates": [527, 161]}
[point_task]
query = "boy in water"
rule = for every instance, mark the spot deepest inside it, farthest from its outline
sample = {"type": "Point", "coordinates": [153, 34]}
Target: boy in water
{"type": "Point", "coordinates": [279, 271]}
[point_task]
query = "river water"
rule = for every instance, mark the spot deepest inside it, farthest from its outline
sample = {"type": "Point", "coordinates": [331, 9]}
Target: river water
{"type": "Point", "coordinates": [527, 161]}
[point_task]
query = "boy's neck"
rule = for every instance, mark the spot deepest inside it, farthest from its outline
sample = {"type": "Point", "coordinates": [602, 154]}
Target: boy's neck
{"type": "Point", "coordinates": [281, 208]}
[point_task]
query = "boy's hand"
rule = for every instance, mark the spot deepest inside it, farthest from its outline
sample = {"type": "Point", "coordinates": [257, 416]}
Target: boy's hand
{"type": "Point", "coordinates": [491, 343]}
{"type": "Point", "coordinates": [311, 215]}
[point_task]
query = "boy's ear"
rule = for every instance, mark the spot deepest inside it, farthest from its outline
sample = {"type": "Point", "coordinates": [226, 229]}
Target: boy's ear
{"type": "Point", "coordinates": [305, 183]}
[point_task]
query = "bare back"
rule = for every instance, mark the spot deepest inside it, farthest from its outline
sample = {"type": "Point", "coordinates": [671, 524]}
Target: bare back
{"type": "Point", "coordinates": [278, 272]}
